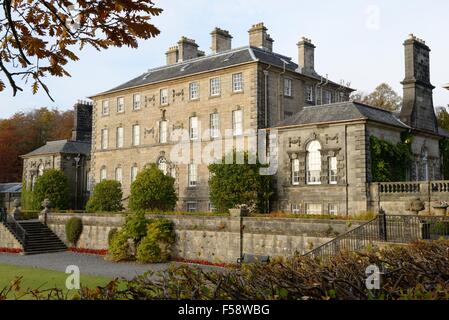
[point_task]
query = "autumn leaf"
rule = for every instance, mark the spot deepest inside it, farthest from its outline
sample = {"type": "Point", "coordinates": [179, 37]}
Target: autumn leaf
{"type": "Point", "coordinates": [35, 87]}
{"type": "Point", "coordinates": [2, 85]}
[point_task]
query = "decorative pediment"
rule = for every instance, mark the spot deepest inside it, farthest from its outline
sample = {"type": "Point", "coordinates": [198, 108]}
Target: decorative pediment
{"type": "Point", "coordinates": [332, 138]}
{"type": "Point", "coordinates": [294, 141]}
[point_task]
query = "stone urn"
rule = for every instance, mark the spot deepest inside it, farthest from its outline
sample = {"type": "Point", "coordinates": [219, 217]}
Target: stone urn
{"type": "Point", "coordinates": [241, 211]}
{"type": "Point", "coordinates": [416, 206]}
{"type": "Point", "coordinates": [17, 214]}
{"type": "Point", "coordinates": [46, 204]}
{"type": "Point", "coordinates": [440, 209]}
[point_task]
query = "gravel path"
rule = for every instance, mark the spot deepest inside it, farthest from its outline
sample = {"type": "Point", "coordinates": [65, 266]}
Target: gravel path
{"type": "Point", "coordinates": [89, 264]}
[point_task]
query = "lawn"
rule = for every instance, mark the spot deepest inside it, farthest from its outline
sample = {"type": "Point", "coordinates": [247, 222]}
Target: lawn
{"type": "Point", "coordinates": [34, 278]}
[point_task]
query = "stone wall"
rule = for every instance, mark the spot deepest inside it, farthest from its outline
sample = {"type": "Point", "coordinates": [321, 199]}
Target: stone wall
{"type": "Point", "coordinates": [217, 239]}
{"type": "Point", "coordinates": [394, 197]}
{"type": "Point", "coordinates": [7, 240]}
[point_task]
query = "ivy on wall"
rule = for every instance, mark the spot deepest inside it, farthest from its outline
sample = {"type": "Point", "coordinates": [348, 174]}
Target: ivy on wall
{"type": "Point", "coordinates": [389, 162]}
{"type": "Point", "coordinates": [444, 151]}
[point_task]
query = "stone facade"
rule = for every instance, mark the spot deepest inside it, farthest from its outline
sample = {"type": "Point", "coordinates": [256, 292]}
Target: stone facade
{"type": "Point", "coordinates": [263, 99]}
{"type": "Point", "coordinates": [7, 239]}
{"type": "Point", "coordinates": [217, 239]}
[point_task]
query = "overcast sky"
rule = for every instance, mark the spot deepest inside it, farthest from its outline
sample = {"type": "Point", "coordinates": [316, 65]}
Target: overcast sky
{"type": "Point", "coordinates": [358, 41]}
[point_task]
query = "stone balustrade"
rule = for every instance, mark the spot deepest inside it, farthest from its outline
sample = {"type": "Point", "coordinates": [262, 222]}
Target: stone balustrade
{"type": "Point", "coordinates": [400, 187]}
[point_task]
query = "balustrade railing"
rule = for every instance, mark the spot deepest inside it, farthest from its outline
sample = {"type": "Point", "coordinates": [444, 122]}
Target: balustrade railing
{"type": "Point", "coordinates": [400, 187]}
{"type": "Point", "coordinates": [13, 226]}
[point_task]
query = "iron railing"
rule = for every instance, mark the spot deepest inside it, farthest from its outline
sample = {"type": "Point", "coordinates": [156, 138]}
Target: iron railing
{"type": "Point", "coordinates": [386, 228]}
{"type": "Point", "coordinates": [13, 226]}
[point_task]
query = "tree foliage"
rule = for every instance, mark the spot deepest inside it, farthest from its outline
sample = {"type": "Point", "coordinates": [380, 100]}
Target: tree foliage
{"type": "Point", "coordinates": [156, 246]}
{"type": "Point", "coordinates": [383, 97]}
{"type": "Point", "coordinates": [39, 37]}
{"type": "Point", "coordinates": [389, 162]}
{"type": "Point", "coordinates": [153, 190]}
{"type": "Point", "coordinates": [52, 185]}
{"type": "Point", "coordinates": [24, 132]}
{"type": "Point", "coordinates": [106, 197]}
{"type": "Point", "coordinates": [443, 122]}
{"type": "Point", "coordinates": [235, 184]}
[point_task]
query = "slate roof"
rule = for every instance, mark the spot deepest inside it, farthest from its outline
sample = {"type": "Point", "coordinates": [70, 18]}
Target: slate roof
{"type": "Point", "coordinates": [61, 146]}
{"type": "Point", "coordinates": [443, 132]}
{"type": "Point", "coordinates": [15, 187]}
{"type": "Point", "coordinates": [209, 63]}
{"type": "Point", "coordinates": [342, 111]}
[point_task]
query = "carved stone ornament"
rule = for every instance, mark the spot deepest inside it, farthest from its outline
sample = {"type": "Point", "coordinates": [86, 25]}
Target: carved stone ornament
{"type": "Point", "coordinates": [294, 141]}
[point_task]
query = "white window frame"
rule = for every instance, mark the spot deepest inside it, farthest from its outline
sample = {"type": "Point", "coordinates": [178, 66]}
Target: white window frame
{"type": "Point", "coordinates": [313, 163]}
{"type": "Point", "coordinates": [164, 97]}
{"type": "Point", "coordinates": [309, 93]}
{"type": "Point", "coordinates": [333, 170]}
{"type": "Point", "coordinates": [237, 124]}
{"type": "Point", "coordinates": [103, 174]}
{"type": "Point", "coordinates": [327, 97]}
{"type": "Point", "coordinates": [288, 83]}
{"type": "Point", "coordinates": [134, 173]}
{"type": "Point", "coordinates": [193, 128]}
{"type": "Point", "coordinates": [163, 131]}
{"type": "Point", "coordinates": [163, 165]}
{"type": "Point", "coordinates": [105, 107]}
{"type": "Point", "coordinates": [295, 172]}
{"type": "Point", "coordinates": [136, 101]}
{"type": "Point", "coordinates": [120, 105]}
{"type": "Point", "coordinates": [333, 209]}
{"type": "Point", "coordinates": [136, 135]}
{"type": "Point", "coordinates": [296, 208]}
{"type": "Point", "coordinates": [104, 141]}
{"type": "Point", "coordinates": [192, 175]}
{"type": "Point", "coordinates": [119, 136]}
{"type": "Point", "coordinates": [194, 90]}
{"type": "Point", "coordinates": [314, 209]}
{"type": "Point", "coordinates": [237, 82]}
{"type": "Point", "coordinates": [214, 122]}
{"type": "Point", "coordinates": [119, 175]}
{"type": "Point", "coordinates": [215, 87]}
{"type": "Point", "coordinates": [194, 205]}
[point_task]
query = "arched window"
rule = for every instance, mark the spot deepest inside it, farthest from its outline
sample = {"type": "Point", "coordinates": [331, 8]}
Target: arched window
{"type": "Point", "coordinates": [119, 175]}
{"type": "Point", "coordinates": [425, 165]}
{"type": "Point", "coordinates": [162, 165]}
{"type": "Point", "coordinates": [103, 174]}
{"type": "Point", "coordinates": [40, 170]}
{"type": "Point", "coordinates": [313, 163]}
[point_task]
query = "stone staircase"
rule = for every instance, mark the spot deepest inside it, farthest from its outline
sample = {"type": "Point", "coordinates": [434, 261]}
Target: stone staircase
{"type": "Point", "coordinates": [39, 238]}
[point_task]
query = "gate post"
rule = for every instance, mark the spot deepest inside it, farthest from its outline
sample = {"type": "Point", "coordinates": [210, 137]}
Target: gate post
{"type": "Point", "coordinates": [382, 225]}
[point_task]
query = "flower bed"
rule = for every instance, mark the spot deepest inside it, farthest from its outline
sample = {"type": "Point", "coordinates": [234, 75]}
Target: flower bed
{"type": "Point", "coordinates": [89, 251]}
{"type": "Point", "coordinates": [10, 250]}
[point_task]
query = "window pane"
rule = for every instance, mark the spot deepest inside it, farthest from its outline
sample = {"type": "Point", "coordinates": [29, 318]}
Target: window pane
{"type": "Point", "coordinates": [194, 128]}
{"type": "Point", "coordinates": [215, 86]}
{"type": "Point", "coordinates": [192, 175]}
{"type": "Point", "coordinates": [103, 174]}
{"type": "Point", "coordinates": [237, 82]}
{"type": "Point", "coordinates": [333, 170]}
{"type": "Point", "coordinates": [314, 163]}
{"type": "Point", "coordinates": [194, 90]}
{"type": "Point", "coordinates": [136, 101]}
{"type": "Point", "coordinates": [314, 208]}
{"type": "Point", "coordinates": [288, 87]}
{"type": "Point", "coordinates": [214, 125]}
{"type": "Point", "coordinates": [295, 172]}
{"type": "Point", "coordinates": [105, 107]}
{"type": "Point", "coordinates": [134, 171]}
{"type": "Point", "coordinates": [104, 138]}
{"type": "Point", "coordinates": [237, 122]}
{"type": "Point", "coordinates": [120, 104]}
{"type": "Point", "coordinates": [163, 132]}
{"type": "Point", "coordinates": [164, 96]}
{"type": "Point", "coordinates": [136, 135]}
{"type": "Point", "coordinates": [119, 175]}
{"type": "Point", "coordinates": [119, 137]}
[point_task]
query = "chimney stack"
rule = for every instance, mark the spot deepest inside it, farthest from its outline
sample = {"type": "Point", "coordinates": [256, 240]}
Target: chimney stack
{"type": "Point", "coordinates": [82, 129]}
{"type": "Point", "coordinates": [221, 40]}
{"type": "Point", "coordinates": [417, 108]}
{"type": "Point", "coordinates": [259, 38]}
{"type": "Point", "coordinates": [188, 49]}
{"type": "Point", "coordinates": [306, 56]}
{"type": "Point", "coordinates": [172, 55]}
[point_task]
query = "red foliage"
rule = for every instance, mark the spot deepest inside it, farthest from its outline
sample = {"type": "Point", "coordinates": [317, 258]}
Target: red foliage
{"type": "Point", "coordinates": [204, 263]}
{"type": "Point", "coordinates": [10, 250]}
{"type": "Point", "coordinates": [88, 251]}
{"type": "Point", "coordinates": [24, 132]}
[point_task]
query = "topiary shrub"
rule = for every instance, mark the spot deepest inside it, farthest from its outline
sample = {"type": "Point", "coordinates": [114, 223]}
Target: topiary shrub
{"type": "Point", "coordinates": [53, 185]}
{"type": "Point", "coordinates": [73, 230]}
{"type": "Point", "coordinates": [136, 226]}
{"type": "Point", "coordinates": [156, 246]}
{"type": "Point", "coordinates": [119, 249]}
{"type": "Point", "coordinates": [111, 234]}
{"type": "Point", "coordinates": [106, 197]}
{"type": "Point", "coordinates": [153, 190]}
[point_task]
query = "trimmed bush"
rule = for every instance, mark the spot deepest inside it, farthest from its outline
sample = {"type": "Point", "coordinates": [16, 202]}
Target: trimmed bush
{"type": "Point", "coordinates": [73, 230]}
{"type": "Point", "coordinates": [136, 226]}
{"type": "Point", "coordinates": [153, 190]}
{"type": "Point", "coordinates": [119, 249]}
{"type": "Point", "coordinates": [111, 235]}
{"type": "Point", "coordinates": [53, 185]}
{"type": "Point", "coordinates": [106, 197]}
{"type": "Point", "coordinates": [156, 246]}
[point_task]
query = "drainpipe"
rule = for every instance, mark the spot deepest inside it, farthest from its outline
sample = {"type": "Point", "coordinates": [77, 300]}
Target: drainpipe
{"type": "Point", "coordinates": [321, 88]}
{"type": "Point", "coordinates": [346, 167]}
{"type": "Point", "coordinates": [265, 72]}
{"type": "Point", "coordinates": [316, 90]}
{"type": "Point", "coordinates": [281, 94]}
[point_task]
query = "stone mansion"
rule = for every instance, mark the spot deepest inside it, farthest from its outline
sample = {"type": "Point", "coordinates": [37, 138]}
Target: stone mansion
{"type": "Point", "coordinates": [323, 138]}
